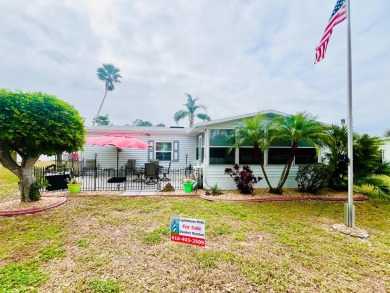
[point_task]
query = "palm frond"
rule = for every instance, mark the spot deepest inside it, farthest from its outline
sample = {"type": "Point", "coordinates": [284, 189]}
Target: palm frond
{"type": "Point", "coordinates": [203, 117]}
{"type": "Point", "coordinates": [180, 115]}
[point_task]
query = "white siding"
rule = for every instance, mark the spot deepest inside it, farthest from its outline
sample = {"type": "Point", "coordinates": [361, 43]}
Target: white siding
{"type": "Point", "coordinates": [107, 155]}
{"type": "Point", "coordinates": [214, 174]}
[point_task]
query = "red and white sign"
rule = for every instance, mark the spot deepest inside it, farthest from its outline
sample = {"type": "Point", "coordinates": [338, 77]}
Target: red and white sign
{"type": "Point", "coordinates": [189, 231]}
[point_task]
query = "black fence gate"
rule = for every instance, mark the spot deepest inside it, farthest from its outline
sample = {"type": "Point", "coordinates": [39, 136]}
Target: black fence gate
{"type": "Point", "coordinates": [93, 178]}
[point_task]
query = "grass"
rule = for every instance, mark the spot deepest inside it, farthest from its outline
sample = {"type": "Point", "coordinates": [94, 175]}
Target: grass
{"type": "Point", "coordinates": [118, 244]}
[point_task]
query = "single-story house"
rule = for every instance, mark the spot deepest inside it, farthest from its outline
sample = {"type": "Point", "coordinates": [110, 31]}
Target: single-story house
{"type": "Point", "coordinates": [205, 145]}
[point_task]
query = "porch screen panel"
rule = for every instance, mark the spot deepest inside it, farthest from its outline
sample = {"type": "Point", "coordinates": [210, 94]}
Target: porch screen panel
{"type": "Point", "coordinates": [278, 156]}
{"type": "Point", "coordinates": [220, 143]}
{"type": "Point", "coordinates": [248, 156]}
{"type": "Point", "coordinates": [306, 156]}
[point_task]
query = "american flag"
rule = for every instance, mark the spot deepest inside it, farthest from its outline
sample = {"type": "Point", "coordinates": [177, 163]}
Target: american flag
{"type": "Point", "coordinates": [338, 15]}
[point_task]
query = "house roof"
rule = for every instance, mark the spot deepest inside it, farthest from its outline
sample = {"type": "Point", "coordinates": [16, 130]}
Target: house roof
{"type": "Point", "coordinates": [128, 130]}
{"type": "Point", "coordinates": [238, 117]}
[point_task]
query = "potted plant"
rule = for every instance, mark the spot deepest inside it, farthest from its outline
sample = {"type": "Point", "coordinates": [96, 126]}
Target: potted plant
{"type": "Point", "coordinates": [188, 183]}
{"type": "Point", "coordinates": [74, 186]}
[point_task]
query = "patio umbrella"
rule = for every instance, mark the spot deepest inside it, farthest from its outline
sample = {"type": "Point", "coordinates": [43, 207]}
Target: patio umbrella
{"type": "Point", "coordinates": [119, 142]}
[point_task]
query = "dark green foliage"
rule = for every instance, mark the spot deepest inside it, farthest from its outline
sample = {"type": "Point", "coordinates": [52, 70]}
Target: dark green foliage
{"type": "Point", "coordinates": [38, 123]}
{"type": "Point", "coordinates": [35, 195]}
{"type": "Point", "coordinates": [32, 124]}
{"type": "Point", "coordinates": [243, 179]}
{"type": "Point", "coordinates": [101, 120]}
{"type": "Point", "coordinates": [140, 122]}
{"type": "Point", "coordinates": [368, 167]}
{"type": "Point", "coordinates": [312, 178]}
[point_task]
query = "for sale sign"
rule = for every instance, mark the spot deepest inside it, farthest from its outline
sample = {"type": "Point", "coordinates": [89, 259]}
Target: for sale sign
{"type": "Point", "coordinates": [189, 231]}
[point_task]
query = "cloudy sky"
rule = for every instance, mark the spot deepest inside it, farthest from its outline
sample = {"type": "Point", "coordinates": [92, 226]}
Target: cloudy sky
{"type": "Point", "coordinates": [236, 56]}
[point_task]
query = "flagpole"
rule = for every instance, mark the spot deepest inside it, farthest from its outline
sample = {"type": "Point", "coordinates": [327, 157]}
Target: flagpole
{"type": "Point", "coordinates": [349, 209]}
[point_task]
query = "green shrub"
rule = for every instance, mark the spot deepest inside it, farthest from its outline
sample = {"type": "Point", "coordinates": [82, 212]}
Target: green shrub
{"type": "Point", "coordinates": [35, 195]}
{"type": "Point", "coordinates": [312, 178]}
{"type": "Point", "coordinates": [215, 190]}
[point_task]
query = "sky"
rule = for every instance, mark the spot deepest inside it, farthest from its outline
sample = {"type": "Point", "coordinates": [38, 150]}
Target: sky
{"type": "Point", "coordinates": [235, 56]}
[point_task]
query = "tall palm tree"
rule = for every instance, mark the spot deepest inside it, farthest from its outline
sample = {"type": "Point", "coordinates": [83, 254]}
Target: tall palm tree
{"type": "Point", "coordinates": [254, 130]}
{"type": "Point", "coordinates": [110, 75]}
{"type": "Point", "coordinates": [295, 129]}
{"type": "Point", "coordinates": [190, 111]}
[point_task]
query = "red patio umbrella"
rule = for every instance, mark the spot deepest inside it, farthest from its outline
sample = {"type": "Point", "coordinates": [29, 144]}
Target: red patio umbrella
{"type": "Point", "coordinates": [119, 142]}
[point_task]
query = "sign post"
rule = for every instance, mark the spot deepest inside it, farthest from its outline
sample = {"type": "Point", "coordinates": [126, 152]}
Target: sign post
{"type": "Point", "coordinates": [189, 231]}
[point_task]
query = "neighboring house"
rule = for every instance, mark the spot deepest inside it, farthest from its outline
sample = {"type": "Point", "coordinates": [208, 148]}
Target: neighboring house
{"type": "Point", "coordinates": [386, 149]}
{"type": "Point", "coordinates": [204, 145]}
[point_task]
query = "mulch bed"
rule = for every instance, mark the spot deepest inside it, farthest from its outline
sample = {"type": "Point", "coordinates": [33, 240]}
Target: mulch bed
{"type": "Point", "coordinates": [54, 199]}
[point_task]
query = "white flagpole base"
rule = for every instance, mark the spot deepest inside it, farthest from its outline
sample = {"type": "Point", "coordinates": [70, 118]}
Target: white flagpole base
{"type": "Point", "coordinates": [349, 215]}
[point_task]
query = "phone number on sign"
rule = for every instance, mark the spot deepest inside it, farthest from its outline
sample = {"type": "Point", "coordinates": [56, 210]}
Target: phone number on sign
{"type": "Point", "coordinates": [189, 240]}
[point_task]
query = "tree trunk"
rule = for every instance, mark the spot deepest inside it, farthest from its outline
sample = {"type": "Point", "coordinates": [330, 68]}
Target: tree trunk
{"type": "Point", "coordinates": [287, 167]}
{"type": "Point", "coordinates": [257, 151]}
{"type": "Point", "coordinates": [191, 117]}
{"type": "Point", "coordinates": [265, 175]}
{"type": "Point", "coordinates": [24, 172]}
{"type": "Point", "coordinates": [59, 159]}
{"type": "Point", "coordinates": [101, 105]}
{"type": "Point", "coordinates": [26, 180]}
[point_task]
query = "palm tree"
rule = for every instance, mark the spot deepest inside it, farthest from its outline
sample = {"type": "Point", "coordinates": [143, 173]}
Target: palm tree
{"type": "Point", "coordinates": [190, 111]}
{"type": "Point", "coordinates": [254, 130]}
{"type": "Point", "coordinates": [301, 127]}
{"type": "Point", "coordinates": [110, 75]}
{"type": "Point", "coordinates": [368, 167]}
{"type": "Point", "coordinates": [336, 157]}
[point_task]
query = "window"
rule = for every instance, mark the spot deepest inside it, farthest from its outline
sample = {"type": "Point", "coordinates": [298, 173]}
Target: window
{"type": "Point", "coordinates": [220, 143]}
{"type": "Point", "coordinates": [248, 156]}
{"type": "Point", "coordinates": [306, 156]}
{"type": "Point", "coordinates": [278, 156]}
{"type": "Point", "coordinates": [164, 151]}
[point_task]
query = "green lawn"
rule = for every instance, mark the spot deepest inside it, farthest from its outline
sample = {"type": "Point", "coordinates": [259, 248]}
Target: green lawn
{"type": "Point", "coordinates": [96, 244]}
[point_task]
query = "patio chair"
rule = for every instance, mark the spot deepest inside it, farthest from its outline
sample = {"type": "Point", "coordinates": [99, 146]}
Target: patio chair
{"type": "Point", "coordinates": [166, 173]}
{"type": "Point", "coordinates": [155, 161]}
{"type": "Point", "coordinates": [151, 173]}
{"type": "Point", "coordinates": [130, 166]}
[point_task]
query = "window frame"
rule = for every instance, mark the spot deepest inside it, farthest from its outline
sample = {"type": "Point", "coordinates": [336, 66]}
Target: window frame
{"type": "Point", "coordinates": [226, 147]}
{"type": "Point", "coordinates": [171, 151]}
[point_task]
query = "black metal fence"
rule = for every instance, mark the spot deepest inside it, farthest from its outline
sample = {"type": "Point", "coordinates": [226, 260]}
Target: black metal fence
{"type": "Point", "coordinates": [55, 177]}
